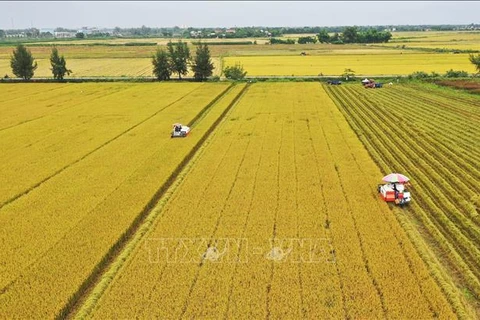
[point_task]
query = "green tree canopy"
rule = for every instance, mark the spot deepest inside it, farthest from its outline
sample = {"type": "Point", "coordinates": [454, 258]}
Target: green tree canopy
{"type": "Point", "coordinates": [161, 65]}
{"type": "Point", "coordinates": [179, 56]}
{"type": "Point", "coordinates": [22, 63]}
{"type": "Point", "coordinates": [304, 40]}
{"type": "Point", "coordinates": [350, 35]}
{"type": "Point", "coordinates": [202, 65]}
{"type": "Point", "coordinates": [59, 65]}
{"type": "Point", "coordinates": [475, 60]}
{"type": "Point", "coordinates": [235, 72]}
{"type": "Point", "coordinates": [323, 36]}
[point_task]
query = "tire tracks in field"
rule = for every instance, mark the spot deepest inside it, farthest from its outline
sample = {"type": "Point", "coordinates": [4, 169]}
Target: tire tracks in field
{"type": "Point", "coordinates": [38, 184]}
{"type": "Point", "coordinates": [212, 176]}
{"type": "Point", "coordinates": [244, 230]}
{"type": "Point", "coordinates": [327, 214]}
{"type": "Point", "coordinates": [83, 302]}
{"type": "Point", "coordinates": [274, 229]}
{"type": "Point", "coordinates": [217, 223]}
{"type": "Point", "coordinates": [365, 260]}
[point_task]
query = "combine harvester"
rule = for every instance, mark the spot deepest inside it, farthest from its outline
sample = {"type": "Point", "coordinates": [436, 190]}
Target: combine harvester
{"type": "Point", "coordinates": [370, 83]}
{"type": "Point", "coordinates": [395, 189]}
{"type": "Point", "coordinates": [179, 131]}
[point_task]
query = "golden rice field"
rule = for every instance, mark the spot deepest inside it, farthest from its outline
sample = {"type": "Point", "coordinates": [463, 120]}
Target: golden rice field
{"type": "Point", "coordinates": [80, 164]}
{"type": "Point", "coordinates": [393, 63]}
{"type": "Point", "coordinates": [268, 209]}
{"type": "Point", "coordinates": [284, 165]}
{"type": "Point", "coordinates": [362, 61]}
{"type": "Point", "coordinates": [98, 58]}
{"type": "Point", "coordinates": [461, 40]}
{"type": "Point", "coordinates": [125, 67]}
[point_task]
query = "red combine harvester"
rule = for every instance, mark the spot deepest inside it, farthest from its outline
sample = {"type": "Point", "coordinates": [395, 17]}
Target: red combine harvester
{"type": "Point", "coordinates": [395, 190]}
{"type": "Point", "coordinates": [370, 83]}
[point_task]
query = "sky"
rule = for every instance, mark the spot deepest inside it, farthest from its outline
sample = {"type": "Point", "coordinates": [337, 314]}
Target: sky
{"type": "Point", "coordinates": [109, 14]}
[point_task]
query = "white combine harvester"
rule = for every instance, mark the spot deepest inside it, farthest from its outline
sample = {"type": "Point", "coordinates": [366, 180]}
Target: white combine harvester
{"type": "Point", "coordinates": [180, 131]}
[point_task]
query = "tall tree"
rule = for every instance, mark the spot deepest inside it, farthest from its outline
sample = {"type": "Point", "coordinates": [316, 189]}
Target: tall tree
{"type": "Point", "coordinates": [202, 66]}
{"type": "Point", "coordinates": [161, 65]}
{"type": "Point", "coordinates": [350, 35]}
{"type": "Point", "coordinates": [179, 57]}
{"type": "Point", "coordinates": [323, 36]}
{"type": "Point", "coordinates": [59, 65]}
{"type": "Point", "coordinates": [22, 62]}
{"type": "Point", "coordinates": [475, 60]}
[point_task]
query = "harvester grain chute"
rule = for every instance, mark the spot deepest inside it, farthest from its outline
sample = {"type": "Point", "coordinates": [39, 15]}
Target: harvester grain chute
{"type": "Point", "coordinates": [179, 131]}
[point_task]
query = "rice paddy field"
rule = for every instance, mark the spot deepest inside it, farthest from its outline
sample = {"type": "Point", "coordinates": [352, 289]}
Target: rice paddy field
{"type": "Point", "coordinates": [459, 40]}
{"type": "Point", "coordinates": [386, 63]}
{"type": "Point", "coordinates": [268, 209]}
{"type": "Point", "coordinates": [407, 52]}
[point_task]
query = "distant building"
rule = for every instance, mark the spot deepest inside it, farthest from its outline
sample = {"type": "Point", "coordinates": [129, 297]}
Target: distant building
{"type": "Point", "coordinates": [230, 31]}
{"type": "Point", "coordinates": [64, 34]}
{"type": "Point", "coordinates": [16, 35]}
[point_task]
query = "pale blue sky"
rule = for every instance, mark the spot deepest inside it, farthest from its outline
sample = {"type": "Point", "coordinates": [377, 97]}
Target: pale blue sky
{"type": "Point", "coordinates": [75, 14]}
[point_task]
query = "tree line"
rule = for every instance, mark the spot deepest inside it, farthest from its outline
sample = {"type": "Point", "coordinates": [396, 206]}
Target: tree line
{"type": "Point", "coordinates": [240, 32]}
{"type": "Point", "coordinates": [176, 59]}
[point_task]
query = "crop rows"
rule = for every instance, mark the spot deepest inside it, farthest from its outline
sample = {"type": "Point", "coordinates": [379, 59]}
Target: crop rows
{"type": "Point", "coordinates": [75, 217]}
{"type": "Point", "coordinates": [395, 125]}
{"type": "Point", "coordinates": [283, 166]}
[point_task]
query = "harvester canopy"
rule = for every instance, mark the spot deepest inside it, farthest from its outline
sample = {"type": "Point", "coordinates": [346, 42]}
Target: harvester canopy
{"type": "Point", "coordinates": [395, 178]}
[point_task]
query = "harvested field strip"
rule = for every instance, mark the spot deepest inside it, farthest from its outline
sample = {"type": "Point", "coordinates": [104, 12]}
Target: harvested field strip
{"type": "Point", "coordinates": [452, 127]}
{"type": "Point", "coordinates": [452, 224]}
{"type": "Point", "coordinates": [70, 236]}
{"type": "Point", "coordinates": [458, 191]}
{"type": "Point", "coordinates": [453, 160]}
{"type": "Point", "coordinates": [452, 228]}
{"type": "Point", "coordinates": [30, 160]}
{"type": "Point", "coordinates": [265, 147]}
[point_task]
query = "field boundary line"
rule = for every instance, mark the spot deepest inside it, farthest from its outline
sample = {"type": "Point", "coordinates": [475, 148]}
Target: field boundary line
{"type": "Point", "coordinates": [38, 184]}
{"type": "Point", "coordinates": [104, 273]}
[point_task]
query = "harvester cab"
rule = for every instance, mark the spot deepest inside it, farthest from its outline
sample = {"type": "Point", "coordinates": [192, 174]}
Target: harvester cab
{"type": "Point", "coordinates": [180, 131]}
